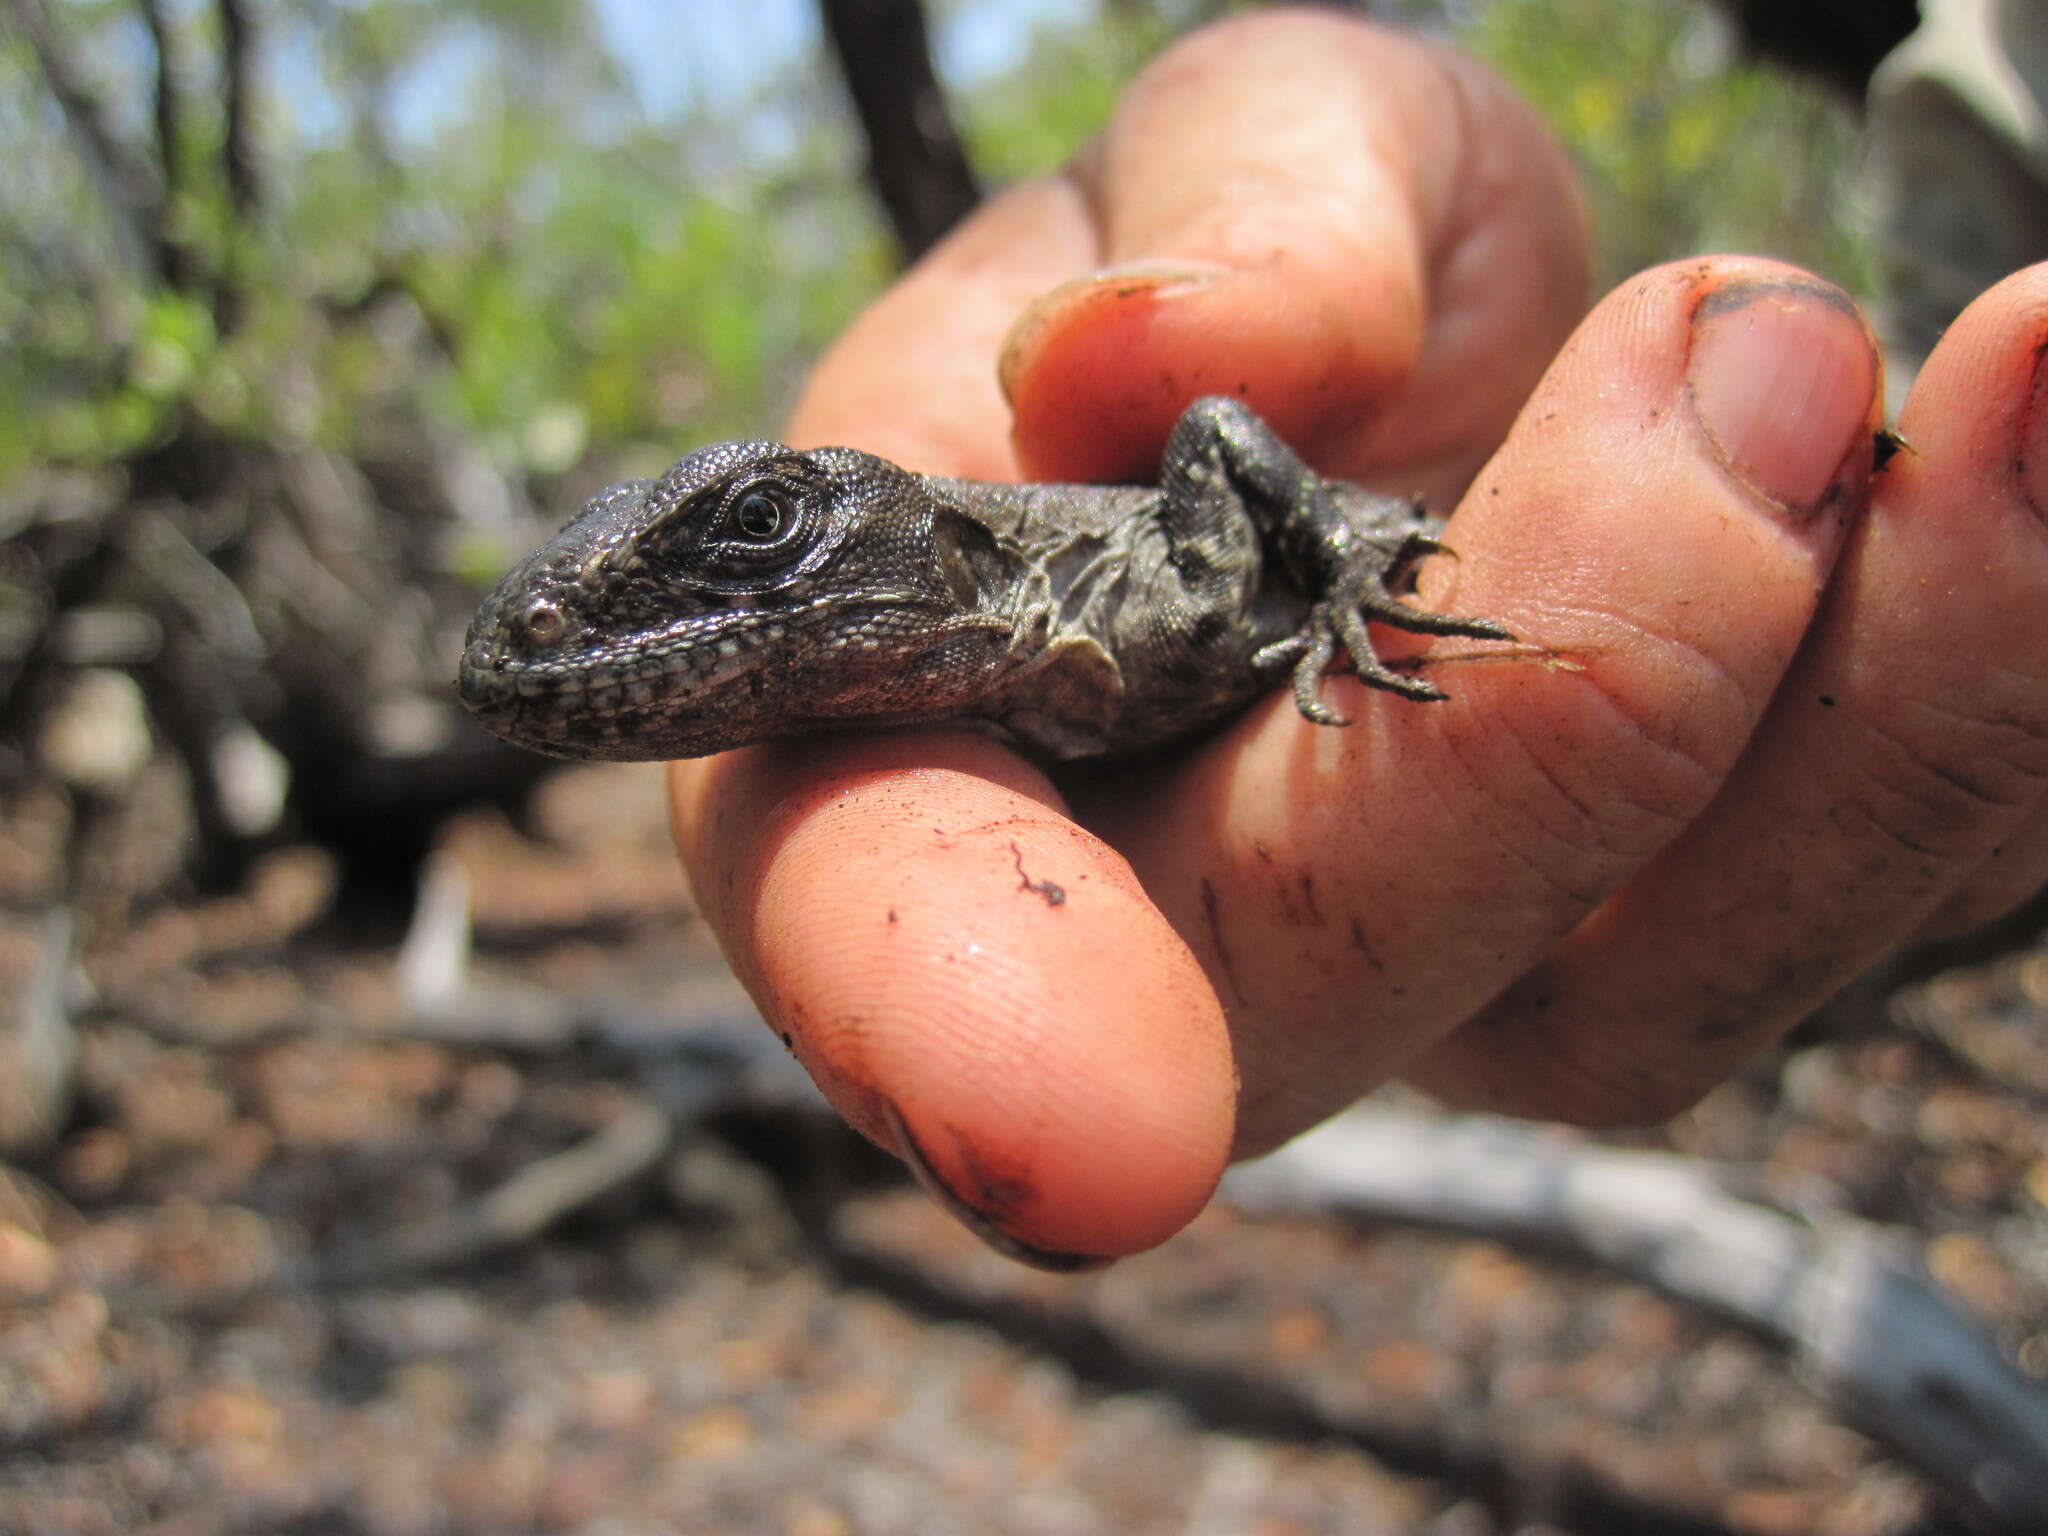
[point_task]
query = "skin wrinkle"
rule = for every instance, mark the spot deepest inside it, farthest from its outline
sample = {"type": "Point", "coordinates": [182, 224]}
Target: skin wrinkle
{"type": "Point", "coordinates": [2031, 729]}
{"type": "Point", "coordinates": [2007, 880]}
{"type": "Point", "coordinates": [1747, 699]}
{"type": "Point", "coordinates": [1932, 811]}
{"type": "Point", "coordinates": [1950, 777]}
{"type": "Point", "coordinates": [1615, 790]}
{"type": "Point", "coordinates": [1584, 823]}
{"type": "Point", "coordinates": [1860, 854]}
{"type": "Point", "coordinates": [1480, 785]}
{"type": "Point", "coordinates": [2020, 732]}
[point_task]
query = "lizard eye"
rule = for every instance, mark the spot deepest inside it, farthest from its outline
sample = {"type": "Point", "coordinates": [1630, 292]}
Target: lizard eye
{"type": "Point", "coordinates": [755, 528]}
{"type": "Point", "coordinates": [762, 515]}
{"type": "Point", "coordinates": [543, 624]}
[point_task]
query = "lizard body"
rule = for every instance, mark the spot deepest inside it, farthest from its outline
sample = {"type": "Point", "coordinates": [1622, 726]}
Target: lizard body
{"type": "Point", "coordinates": [756, 592]}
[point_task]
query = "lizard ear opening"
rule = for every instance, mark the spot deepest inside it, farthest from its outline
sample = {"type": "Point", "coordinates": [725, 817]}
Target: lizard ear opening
{"type": "Point", "coordinates": [969, 563]}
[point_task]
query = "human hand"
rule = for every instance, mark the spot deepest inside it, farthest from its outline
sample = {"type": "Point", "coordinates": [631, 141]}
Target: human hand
{"type": "Point", "coordinates": [1791, 718]}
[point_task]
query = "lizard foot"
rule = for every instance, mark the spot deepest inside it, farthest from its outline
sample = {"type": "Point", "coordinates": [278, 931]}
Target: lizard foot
{"type": "Point", "coordinates": [1361, 595]}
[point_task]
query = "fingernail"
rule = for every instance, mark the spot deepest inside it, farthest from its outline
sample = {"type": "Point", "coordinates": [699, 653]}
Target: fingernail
{"type": "Point", "coordinates": [969, 1216]}
{"type": "Point", "coordinates": [1782, 377]}
{"type": "Point", "coordinates": [1115, 286]}
{"type": "Point", "coordinates": [1155, 272]}
{"type": "Point", "coordinates": [2033, 436]}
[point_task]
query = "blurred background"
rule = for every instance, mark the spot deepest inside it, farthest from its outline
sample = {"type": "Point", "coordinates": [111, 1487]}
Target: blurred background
{"type": "Point", "coordinates": [385, 1149]}
{"type": "Point", "coordinates": [316, 315]}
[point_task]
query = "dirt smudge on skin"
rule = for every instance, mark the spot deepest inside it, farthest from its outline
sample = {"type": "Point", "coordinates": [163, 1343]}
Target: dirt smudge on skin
{"type": "Point", "coordinates": [1363, 945]}
{"type": "Point", "coordinates": [1053, 894]}
{"type": "Point", "coordinates": [992, 1198]}
{"type": "Point", "coordinates": [1298, 904]}
{"type": "Point", "coordinates": [1211, 917]}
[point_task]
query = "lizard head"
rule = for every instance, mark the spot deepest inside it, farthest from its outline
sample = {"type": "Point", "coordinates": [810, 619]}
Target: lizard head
{"type": "Point", "coordinates": [753, 591]}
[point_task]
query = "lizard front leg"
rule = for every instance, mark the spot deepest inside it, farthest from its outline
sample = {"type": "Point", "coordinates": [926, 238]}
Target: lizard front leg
{"type": "Point", "coordinates": [1346, 549]}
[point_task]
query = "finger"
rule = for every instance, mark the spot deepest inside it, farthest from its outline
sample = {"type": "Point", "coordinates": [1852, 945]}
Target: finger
{"type": "Point", "coordinates": [914, 378]}
{"type": "Point", "coordinates": [1330, 219]}
{"type": "Point", "coordinates": [1909, 743]}
{"type": "Point", "coordinates": [2012, 874]}
{"type": "Point", "coordinates": [975, 983]}
{"type": "Point", "coordinates": [1661, 522]}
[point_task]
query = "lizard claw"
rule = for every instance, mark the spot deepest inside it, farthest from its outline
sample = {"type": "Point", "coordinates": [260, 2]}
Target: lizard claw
{"type": "Point", "coordinates": [1341, 617]}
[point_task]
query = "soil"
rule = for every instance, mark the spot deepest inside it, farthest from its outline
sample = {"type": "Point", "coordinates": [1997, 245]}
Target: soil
{"type": "Point", "coordinates": [774, 1332]}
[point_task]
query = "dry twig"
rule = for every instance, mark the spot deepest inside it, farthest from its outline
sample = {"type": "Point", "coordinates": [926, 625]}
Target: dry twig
{"type": "Point", "coordinates": [1862, 1326]}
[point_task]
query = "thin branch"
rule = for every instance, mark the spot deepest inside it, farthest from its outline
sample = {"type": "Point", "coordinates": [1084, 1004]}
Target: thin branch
{"type": "Point", "coordinates": [133, 202]}
{"type": "Point", "coordinates": [522, 1207]}
{"type": "Point", "coordinates": [38, 1044]}
{"type": "Point", "coordinates": [238, 60]}
{"type": "Point", "coordinates": [915, 159]}
{"type": "Point", "coordinates": [170, 102]}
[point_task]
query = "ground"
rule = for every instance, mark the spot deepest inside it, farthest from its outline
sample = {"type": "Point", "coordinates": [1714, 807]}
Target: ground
{"type": "Point", "coordinates": [773, 1332]}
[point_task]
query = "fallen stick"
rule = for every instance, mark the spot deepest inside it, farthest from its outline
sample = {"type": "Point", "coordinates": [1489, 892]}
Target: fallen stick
{"type": "Point", "coordinates": [1861, 1325]}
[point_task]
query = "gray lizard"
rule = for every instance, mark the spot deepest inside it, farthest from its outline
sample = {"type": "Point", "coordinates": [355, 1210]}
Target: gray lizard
{"type": "Point", "coordinates": [757, 591]}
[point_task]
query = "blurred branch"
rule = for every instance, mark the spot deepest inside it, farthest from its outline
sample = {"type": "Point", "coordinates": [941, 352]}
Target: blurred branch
{"type": "Point", "coordinates": [38, 1044]}
{"type": "Point", "coordinates": [238, 63]}
{"type": "Point", "coordinates": [124, 183]}
{"type": "Point", "coordinates": [1860, 1324]}
{"type": "Point", "coordinates": [915, 159]}
{"type": "Point", "coordinates": [170, 131]}
{"type": "Point", "coordinates": [1839, 40]}
{"type": "Point", "coordinates": [238, 157]}
{"type": "Point", "coordinates": [518, 1210]}
{"type": "Point", "coordinates": [237, 154]}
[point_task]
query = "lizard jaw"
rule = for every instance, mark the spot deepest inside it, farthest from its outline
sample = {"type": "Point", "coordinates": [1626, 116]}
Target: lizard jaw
{"type": "Point", "coordinates": [689, 691]}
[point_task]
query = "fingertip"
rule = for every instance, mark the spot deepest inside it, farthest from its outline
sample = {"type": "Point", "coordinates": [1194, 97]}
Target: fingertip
{"type": "Point", "coordinates": [1980, 402]}
{"type": "Point", "coordinates": [1098, 370]}
{"type": "Point", "coordinates": [980, 986]}
{"type": "Point", "coordinates": [1263, 192]}
{"type": "Point", "coordinates": [1784, 377]}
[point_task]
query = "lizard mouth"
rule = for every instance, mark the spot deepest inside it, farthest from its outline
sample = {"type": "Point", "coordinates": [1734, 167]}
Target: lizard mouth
{"type": "Point", "coordinates": [687, 661]}
{"type": "Point", "coordinates": [696, 679]}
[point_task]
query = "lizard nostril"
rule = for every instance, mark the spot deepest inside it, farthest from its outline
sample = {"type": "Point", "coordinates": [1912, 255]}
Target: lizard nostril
{"type": "Point", "coordinates": [542, 624]}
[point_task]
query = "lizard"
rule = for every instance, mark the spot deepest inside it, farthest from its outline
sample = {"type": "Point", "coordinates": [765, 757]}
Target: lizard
{"type": "Point", "coordinates": [755, 592]}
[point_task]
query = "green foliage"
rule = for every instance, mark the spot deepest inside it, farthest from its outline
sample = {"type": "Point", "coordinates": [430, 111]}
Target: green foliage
{"type": "Point", "coordinates": [1033, 120]}
{"type": "Point", "coordinates": [1684, 149]}
{"type": "Point", "coordinates": [574, 286]}
{"type": "Point", "coordinates": [534, 265]}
